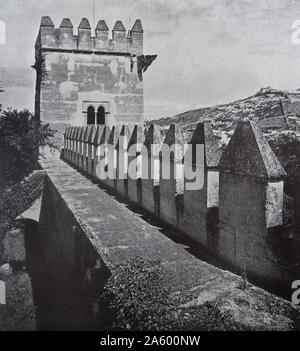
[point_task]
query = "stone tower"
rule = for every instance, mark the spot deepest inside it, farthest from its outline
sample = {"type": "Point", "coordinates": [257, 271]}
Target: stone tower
{"type": "Point", "coordinates": [88, 79]}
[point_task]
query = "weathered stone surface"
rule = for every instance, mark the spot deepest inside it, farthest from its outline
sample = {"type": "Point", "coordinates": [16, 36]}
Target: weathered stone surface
{"type": "Point", "coordinates": [66, 23]}
{"type": "Point", "coordinates": [244, 241]}
{"type": "Point", "coordinates": [119, 27]}
{"type": "Point", "coordinates": [88, 233]}
{"type": "Point", "coordinates": [249, 153]}
{"type": "Point", "coordinates": [84, 24]}
{"type": "Point", "coordinates": [19, 310]}
{"type": "Point", "coordinates": [46, 21]}
{"type": "Point", "coordinates": [102, 26]}
{"type": "Point", "coordinates": [14, 246]}
{"type": "Point", "coordinates": [21, 196]}
{"type": "Point", "coordinates": [203, 134]}
{"type": "Point", "coordinates": [137, 27]}
{"type": "Point", "coordinates": [135, 145]}
{"type": "Point", "coordinates": [75, 72]}
{"type": "Point", "coordinates": [171, 187]}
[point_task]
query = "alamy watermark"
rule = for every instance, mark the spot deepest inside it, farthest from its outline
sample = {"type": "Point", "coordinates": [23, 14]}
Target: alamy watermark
{"type": "Point", "coordinates": [296, 293]}
{"type": "Point", "coordinates": [2, 33]}
{"type": "Point", "coordinates": [295, 37]}
{"type": "Point", "coordinates": [2, 293]}
{"type": "Point", "coordinates": [179, 162]}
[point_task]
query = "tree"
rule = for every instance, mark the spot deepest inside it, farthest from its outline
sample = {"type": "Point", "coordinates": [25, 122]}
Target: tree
{"type": "Point", "coordinates": [21, 135]}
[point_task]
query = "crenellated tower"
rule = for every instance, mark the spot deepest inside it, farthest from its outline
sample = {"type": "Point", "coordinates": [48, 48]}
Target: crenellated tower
{"type": "Point", "coordinates": [91, 77]}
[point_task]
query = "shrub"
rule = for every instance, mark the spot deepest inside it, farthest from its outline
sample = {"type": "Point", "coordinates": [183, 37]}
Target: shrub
{"type": "Point", "coordinates": [21, 135]}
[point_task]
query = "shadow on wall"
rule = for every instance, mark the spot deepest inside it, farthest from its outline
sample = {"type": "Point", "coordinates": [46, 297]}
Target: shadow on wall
{"type": "Point", "coordinates": [67, 279]}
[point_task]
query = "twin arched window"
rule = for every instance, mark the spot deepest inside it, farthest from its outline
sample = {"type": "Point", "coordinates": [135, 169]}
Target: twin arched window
{"type": "Point", "coordinates": [92, 118]}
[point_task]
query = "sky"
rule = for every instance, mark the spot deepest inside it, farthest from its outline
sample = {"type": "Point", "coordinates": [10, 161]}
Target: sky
{"type": "Point", "coordinates": [209, 51]}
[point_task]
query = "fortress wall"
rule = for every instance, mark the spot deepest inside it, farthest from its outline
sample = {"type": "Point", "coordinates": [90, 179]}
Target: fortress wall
{"type": "Point", "coordinates": [291, 105]}
{"type": "Point", "coordinates": [251, 238]}
{"type": "Point", "coordinates": [87, 147]}
{"type": "Point", "coordinates": [87, 235]}
{"type": "Point", "coordinates": [136, 152]}
{"type": "Point", "coordinates": [20, 197]}
{"type": "Point", "coordinates": [78, 160]}
{"type": "Point", "coordinates": [237, 212]}
{"type": "Point", "coordinates": [171, 182]}
{"type": "Point", "coordinates": [73, 269]}
{"type": "Point", "coordinates": [241, 218]}
{"type": "Point", "coordinates": [90, 152]}
{"type": "Point", "coordinates": [245, 240]}
{"type": "Point", "coordinates": [194, 219]}
{"type": "Point", "coordinates": [170, 196]}
{"type": "Point", "coordinates": [112, 157]}
{"type": "Point", "coordinates": [151, 169]}
{"type": "Point", "coordinates": [201, 193]}
{"type": "Point", "coordinates": [122, 161]}
{"type": "Point", "coordinates": [75, 72]}
{"type": "Point", "coordinates": [134, 190]}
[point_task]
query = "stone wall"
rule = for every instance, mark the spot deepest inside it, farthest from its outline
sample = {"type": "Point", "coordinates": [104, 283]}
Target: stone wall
{"type": "Point", "coordinates": [18, 198]}
{"type": "Point", "coordinates": [73, 269]}
{"type": "Point", "coordinates": [102, 259]}
{"type": "Point", "coordinates": [75, 72]}
{"type": "Point", "coordinates": [18, 311]}
{"type": "Point", "coordinates": [18, 305]}
{"type": "Point", "coordinates": [236, 213]}
{"type": "Point", "coordinates": [291, 105]}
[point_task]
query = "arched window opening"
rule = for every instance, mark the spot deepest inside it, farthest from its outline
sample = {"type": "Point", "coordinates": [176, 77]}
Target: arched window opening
{"type": "Point", "coordinates": [90, 115]}
{"type": "Point", "coordinates": [101, 115]}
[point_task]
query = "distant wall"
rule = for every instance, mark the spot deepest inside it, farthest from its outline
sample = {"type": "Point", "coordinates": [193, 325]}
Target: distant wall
{"type": "Point", "coordinates": [291, 105]}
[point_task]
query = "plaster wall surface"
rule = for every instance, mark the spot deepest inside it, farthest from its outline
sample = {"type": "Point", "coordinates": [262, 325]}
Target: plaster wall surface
{"type": "Point", "coordinates": [75, 81]}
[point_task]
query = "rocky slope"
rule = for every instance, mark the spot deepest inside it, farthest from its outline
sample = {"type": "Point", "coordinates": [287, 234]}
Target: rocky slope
{"type": "Point", "coordinates": [274, 110]}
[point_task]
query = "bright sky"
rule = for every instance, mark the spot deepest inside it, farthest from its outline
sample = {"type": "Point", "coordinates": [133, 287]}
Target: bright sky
{"type": "Point", "coordinates": [209, 51]}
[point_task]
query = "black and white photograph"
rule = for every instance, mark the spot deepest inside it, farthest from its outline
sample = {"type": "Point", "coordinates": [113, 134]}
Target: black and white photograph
{"type": "Point", "coordinates": [149, 168]}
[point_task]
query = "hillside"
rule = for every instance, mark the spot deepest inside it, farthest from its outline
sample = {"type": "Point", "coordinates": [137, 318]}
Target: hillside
{"type": "Point", "coordinates": [274, 110]}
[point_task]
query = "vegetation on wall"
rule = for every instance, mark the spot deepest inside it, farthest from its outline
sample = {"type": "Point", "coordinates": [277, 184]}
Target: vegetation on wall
{"type": "Point", "coordinates": [40, 68]}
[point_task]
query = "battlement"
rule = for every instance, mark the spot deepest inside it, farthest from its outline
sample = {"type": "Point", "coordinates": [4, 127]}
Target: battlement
{"type": "Point", "coordinates": [63, 38]}
{"type": "Point", "coordinates": [231, 205]}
